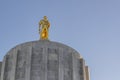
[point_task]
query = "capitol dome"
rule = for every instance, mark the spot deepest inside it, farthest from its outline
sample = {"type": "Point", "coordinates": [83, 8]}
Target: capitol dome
{"type": "Point", "coordinates": [43, 60]}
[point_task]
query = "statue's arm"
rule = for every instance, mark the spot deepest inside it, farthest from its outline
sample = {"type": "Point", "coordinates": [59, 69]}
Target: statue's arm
{"type": "Point", "coordinates": [40, 23]}
{"type": "Point", "coordinates": [48, 24]}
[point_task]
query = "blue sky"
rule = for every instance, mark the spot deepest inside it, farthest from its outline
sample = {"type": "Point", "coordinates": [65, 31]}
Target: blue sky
{"type": "Point", "coordinates": [92, 27]}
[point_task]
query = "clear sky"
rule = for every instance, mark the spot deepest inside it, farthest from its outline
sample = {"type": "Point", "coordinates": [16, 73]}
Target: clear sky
{"type": "Point", "coordinates": [92, 27]}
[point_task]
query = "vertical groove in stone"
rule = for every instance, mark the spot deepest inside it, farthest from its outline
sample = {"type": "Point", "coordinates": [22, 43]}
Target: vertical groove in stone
{"type": "Point", "coordinates": [60, 64]}
{"type": "Point", "coordinates": [14, 61]}
{"type": "Point", "coordinates": [37, 64]}
{"type": "Point", "coordinates": [45, 62]}
{"type": "Point", "coordinates": [16, 64]}
{"type": "Point", "coordinates": [3, 68]}
{"type": "Point", "coordinates": [84, 73]}
{"type": "Point", "coordinates": [72, 66]}
{"type": "Point", "coordinates": [79, 69]}
{"type": "Point", "coordinates": [8, 67]}
{"type": "Point", "coordinates": [28, 63]}
{"type": "Point", "coordinates": [67, 58]}
{"type": "Point", "coordinates": [82, 70]}
{"type": "Point", "coordinates": [21, 65]}
{"type": "Point", "coordinates": [53, 64]}
{"type": "Point", "coordinates": [76, 67]}
{"type": "Point", "coordinates": [31, 64]}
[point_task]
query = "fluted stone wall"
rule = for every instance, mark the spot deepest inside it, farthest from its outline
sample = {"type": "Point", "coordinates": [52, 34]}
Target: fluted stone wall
{"type": "Point", "coordinates": [43, 60]}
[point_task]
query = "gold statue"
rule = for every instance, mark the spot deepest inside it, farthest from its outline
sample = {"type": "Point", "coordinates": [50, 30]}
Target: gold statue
{"type": "Point", "coordinates": [44, 28]}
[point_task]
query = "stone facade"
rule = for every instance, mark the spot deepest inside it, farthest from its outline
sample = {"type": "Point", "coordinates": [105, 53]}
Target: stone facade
{"type": "Point", "coordinates": [43, 60]}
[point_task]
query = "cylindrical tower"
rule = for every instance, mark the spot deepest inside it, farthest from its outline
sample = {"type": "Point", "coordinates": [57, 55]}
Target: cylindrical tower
{"type": "Point", "coordinates": [43, 60]}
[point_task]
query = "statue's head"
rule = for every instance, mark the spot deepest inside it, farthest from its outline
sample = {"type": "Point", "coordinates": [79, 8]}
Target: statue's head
{"type": "Point", "coordinates": [45, 17]}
